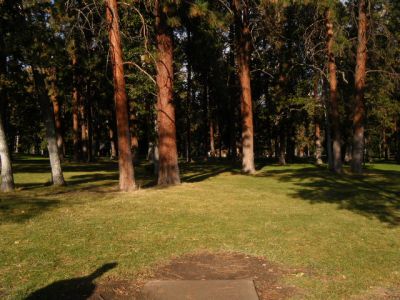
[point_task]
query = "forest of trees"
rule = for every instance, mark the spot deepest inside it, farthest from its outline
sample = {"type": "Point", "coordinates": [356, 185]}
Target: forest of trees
{"type": "Point", "coordinates": [175, 80]}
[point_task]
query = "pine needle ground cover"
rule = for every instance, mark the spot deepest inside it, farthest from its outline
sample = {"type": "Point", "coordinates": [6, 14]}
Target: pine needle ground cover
{"type": "Point", "coordinates": [343, 231]}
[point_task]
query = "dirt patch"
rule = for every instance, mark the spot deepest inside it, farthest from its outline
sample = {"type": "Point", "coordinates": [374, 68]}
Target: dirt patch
{"type": "Point", "coordinates": [379, 293]}
{"type": "Point", "coordinates": [267, 277]}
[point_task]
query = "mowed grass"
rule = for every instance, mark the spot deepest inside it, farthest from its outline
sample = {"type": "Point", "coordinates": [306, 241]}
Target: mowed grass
{"type": "Point", "coordinates": [344, 231]}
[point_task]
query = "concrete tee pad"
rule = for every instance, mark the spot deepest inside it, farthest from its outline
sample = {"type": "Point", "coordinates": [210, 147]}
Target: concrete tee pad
{"type": "Point", "coordinates": [199, 290]}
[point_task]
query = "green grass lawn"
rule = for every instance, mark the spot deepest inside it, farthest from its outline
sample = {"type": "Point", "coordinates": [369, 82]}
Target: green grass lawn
{"type": "Point", "coordinates": [344, 230]}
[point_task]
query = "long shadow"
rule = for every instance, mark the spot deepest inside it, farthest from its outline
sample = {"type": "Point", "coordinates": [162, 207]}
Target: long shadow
{"type": "Point", "coordinates": [75, 289]}
{"type": "Point", "coordinates": [374, 195]}
{"type": "Point", "coordinates": [19, 208]}
{"type": "Point", "coordinates": [202, 171]}
{"type": "Point", "coordinates": [43, 166]}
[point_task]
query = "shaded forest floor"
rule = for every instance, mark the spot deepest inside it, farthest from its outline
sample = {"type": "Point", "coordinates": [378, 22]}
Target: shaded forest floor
{"type": "Point", "coordinates": [333, 237]}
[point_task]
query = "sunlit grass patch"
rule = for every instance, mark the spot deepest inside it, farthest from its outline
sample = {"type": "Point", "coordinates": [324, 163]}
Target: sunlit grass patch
{"type": "Point", "coordinates": [344, 229]}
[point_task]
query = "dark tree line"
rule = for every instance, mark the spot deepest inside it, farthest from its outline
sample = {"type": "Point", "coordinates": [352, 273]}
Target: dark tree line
{"type": "Point", "coordinates": [228, 79]}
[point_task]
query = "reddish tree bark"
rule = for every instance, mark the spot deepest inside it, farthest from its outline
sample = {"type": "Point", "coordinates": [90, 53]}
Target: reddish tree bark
{"type": "Point", "coordinates": [243, 49]}
{"type": "Point", "coordinates": [126, 173]}
{"type": "Point", "coordinates": [360, 76]}
{"type": "Point", "coordinates": [333, 96]}
{"type": "Point", "coordinates": [75, 111]}
{"type": "Point", "coordinates": [168, 170]}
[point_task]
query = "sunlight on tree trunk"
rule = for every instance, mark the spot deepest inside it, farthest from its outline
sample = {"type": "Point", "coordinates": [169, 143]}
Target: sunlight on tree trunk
{"type": "Point", "coordinates": [7, 178]}
{"type": "Point", "coordinates": [57, 176]}
{"type": "Point", "coordinates": [168, 170]}
{"type": "Point", "coordinates": [359, 105]}
{"type": "Point", "coordinates": [333, 96]}
{"type": "Point", "coordinates": [243, 61]}
{"type": "Point", "coordinates": [125, 163]}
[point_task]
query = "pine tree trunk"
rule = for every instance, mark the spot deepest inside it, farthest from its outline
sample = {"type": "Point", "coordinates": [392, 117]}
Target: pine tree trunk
{"type": "Point", "coordinates": [133, 131]}
{"type": "Point", "coordinates": [188, 149]}
{"type": "Point", "coordinates": [212, 140]}
{"type": "Point", "coordinates": [113, 149]}
{"type": "Point", "coordinates": [75, 111]}
{"type": "Point", "coordinates": [125, 163]}
{"type": "Point", "coordinates": [168, 171]}
{"type": "Point", "coordinates": [57, 176]}
{"type": "Point", "coordinates": [398, 141]}
{"type": "Point", "coordinates": [84, 128]}
{"type": "Point", "coordinates": [57, 113]}
{"type": "Point", "coordinates": [333, 97]}
{"type": "Point", "coordinates": [205, 118]}
{"type": "Point", "coordinates": [90, 130]}
{"type": "Point", "coordinates": [243, 46]}
{"type": "Point", "coordinates": [57, 116]}
{"type": "Point", "coordinates": [385, 145]}
{"type": "Point", "coordinates": [7, 178]}
{"type": "Point", "coordinates": [318, 144]}
{"type": "Point", "coordinates": [233, 103]}
{"type": "Point", "coordinates": [282, 145]}
{"type": "Point", "coordinates": [360, 76]}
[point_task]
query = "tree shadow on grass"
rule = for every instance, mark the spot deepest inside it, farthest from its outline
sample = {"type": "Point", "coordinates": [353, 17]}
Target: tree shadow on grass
{"type": "Point", "coordinates": [75, 289]}
{"type": "Point", "coordinates": [374, 195]}
{"type": "Point", "coordinates": [202, 171]}
{"type": "Point", "coordinates": [189, 172]}
{"type": "Point", "coordinates": [19, 208]}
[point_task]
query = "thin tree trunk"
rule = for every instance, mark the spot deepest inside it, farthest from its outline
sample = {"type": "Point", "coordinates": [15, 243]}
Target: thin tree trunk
{"type": "Point", "coordinates": [243, 61]}
{"type": "Point", "coordinates": [212, 140]}
{"type": "Point", "coordinates": [125, 163]}
{"type": "Point", "coordinates": [188, 149]}
{"type": "Point", "coordinates": [290, 143]}
{"type": "Point", "coordinates": [233, 103]}
{"type": "Point", "coordinates": [75, 111]}
{"type": "Point", "coordinates": [133, 131]}
{"type": "Point", "coordinates": [318, 144]}
{"type": "Point", "coordinates": [348, 153]}
{"type": "Point", "coordinates": [360, 76]}
{"type": "Point", "coordinates": [398, 141]}
{"type": "Point", "coordinates": [282, 145]}
{"type": "Point", "coordinates": [168, 171]}
{"type": "Point", "coordinates": [51, 136]}
{"type": "Point", "coordinates": [333, 96]}
{"type": "Point", "coordinates": [7, 178]}
{"type": "Point", "coordinates": [84, 129]}
{"type": "Point", "coordinates": [205, 117]}
{"type": "Point", "coordinates": [89, 123]}
{"type": "Point", "coordinates": [327, 122]}
{"type": "Point", "coordinates": [113, 149]}
{"type": "Point", "coordinates": [385, 145]}
{"type": "Point", "coordinates": [57, 113]}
